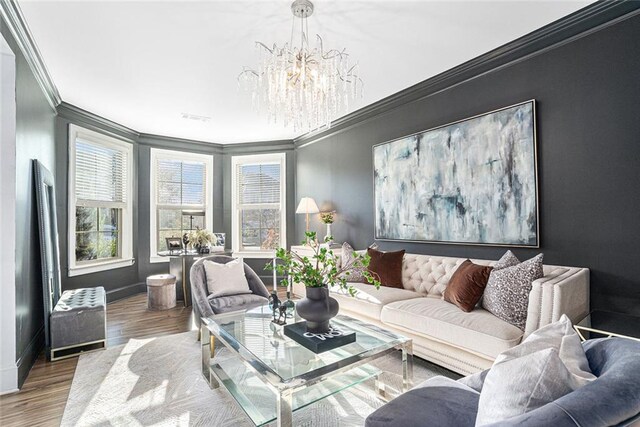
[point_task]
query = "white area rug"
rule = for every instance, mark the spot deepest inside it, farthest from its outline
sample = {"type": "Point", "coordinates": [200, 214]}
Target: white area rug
{"type": "Point", "coordinates": [157, 382]}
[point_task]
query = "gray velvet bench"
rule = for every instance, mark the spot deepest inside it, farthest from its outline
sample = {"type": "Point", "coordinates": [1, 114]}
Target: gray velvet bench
{"type": "Point", "coordinates": [78, 323]}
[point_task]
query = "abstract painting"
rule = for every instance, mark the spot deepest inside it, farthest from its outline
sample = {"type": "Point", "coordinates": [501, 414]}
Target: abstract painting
{"type": "Point", "coordinates": [469, 182]}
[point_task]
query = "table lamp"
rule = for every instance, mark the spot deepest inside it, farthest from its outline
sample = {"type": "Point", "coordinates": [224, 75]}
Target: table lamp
{"type": "Point", "coordinates": [307, 206]}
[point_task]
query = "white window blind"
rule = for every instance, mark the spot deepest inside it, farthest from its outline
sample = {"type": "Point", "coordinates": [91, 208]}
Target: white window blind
{"type": "Point", "coordinates": [100, 202]}
{"type": "Point", "coordinates": [180, 196]}
{"type": "Point", "coordinates": [101, 174]}
{"type": "Point", "coordinates": [259, 203]}
{"type": "Point", "coordinates": [259, 184]}
{"type": "Point", "coordinates": [181, 183]}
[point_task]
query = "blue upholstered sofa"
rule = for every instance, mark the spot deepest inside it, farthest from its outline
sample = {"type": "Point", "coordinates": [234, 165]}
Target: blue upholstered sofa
{"type": "Point", "coordinates": [611, 400]}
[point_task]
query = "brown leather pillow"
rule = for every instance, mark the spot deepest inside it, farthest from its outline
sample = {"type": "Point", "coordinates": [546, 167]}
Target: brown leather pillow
{"type": "Point", "coordinates": [467, 284]}
{"type": "Point", "coordinates": [386, 267]}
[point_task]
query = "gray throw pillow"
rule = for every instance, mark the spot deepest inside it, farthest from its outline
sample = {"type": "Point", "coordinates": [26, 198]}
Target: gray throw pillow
{"type": "Point", "coordinates": [226, 279]}
{"type": "Point", "coordinates": [348, 258]}
{"type": "Point", "coordinates": [507, 293]}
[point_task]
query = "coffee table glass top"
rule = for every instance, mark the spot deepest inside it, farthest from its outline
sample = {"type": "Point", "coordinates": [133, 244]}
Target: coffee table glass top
{"type": "Point", "coordinates": [263, 344]}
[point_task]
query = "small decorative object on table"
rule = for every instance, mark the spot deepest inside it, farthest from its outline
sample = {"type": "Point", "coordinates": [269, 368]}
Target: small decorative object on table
{"type": "Point", "coordinates": [319, 342]}
{"type": "Point", "coordinates": [174, 245]}
{"type": "Point", "coordinates": [290, 306]}
{"type": "Point", "coordinates": [328, 218]}
{"type": "Point", "coordinates": [200, 239]}
{"type": "Point", "coordinates": [220, 241]}
{"type": "Point", "coordinates": [278, 309]}
{"type": "Point", "coordinates": [317, 273]}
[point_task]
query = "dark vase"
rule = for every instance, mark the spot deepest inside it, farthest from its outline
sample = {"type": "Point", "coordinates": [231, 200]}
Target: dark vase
{"type": "Point", "coordinates": [317, 309]}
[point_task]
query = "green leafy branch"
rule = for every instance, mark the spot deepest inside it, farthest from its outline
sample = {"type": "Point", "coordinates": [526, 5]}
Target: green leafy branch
{"type": "Point", "coordinates": [321, 269]}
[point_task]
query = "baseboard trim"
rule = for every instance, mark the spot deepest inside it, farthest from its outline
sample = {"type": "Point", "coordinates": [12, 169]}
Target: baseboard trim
{"type": "Point", "coordinates": [126, 291]}
{"type": "Point", "coordinates": [8, 380]}
{"type": "Point", "coordinates": [29, 355]}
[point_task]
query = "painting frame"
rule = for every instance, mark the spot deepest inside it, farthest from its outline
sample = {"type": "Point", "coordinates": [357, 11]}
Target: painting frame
{"type": "Point", "coordinates": [536, 197]}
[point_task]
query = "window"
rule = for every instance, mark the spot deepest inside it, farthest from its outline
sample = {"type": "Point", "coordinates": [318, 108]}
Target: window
{"type": "Point", "coordinates": [180, 196]}
{"type": "Point", "coordinates": [259, 210]}
{"type": "Point", "coordinates": [100, 208]}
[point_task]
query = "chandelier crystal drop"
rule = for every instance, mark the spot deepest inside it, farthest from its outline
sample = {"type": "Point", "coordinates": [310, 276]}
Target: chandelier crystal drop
{"type": "Point", "coordinates": [302, 86]}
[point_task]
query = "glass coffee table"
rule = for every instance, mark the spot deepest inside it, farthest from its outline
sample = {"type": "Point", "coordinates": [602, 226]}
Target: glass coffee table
{"type": "Point", "coordinates": [271, 376]}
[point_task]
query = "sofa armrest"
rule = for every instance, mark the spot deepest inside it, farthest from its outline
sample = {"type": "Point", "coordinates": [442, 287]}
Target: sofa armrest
{"type": "Point", "coordinates": [564, 291]}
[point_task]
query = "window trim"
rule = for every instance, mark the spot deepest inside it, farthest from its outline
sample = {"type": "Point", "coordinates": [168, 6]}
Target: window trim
{"type": "Point", "coordinates": [159, 153]}
{"type": "Point", "coordinates": [126, 258]}
{"type": "Point", "coordinates": [279, 158]}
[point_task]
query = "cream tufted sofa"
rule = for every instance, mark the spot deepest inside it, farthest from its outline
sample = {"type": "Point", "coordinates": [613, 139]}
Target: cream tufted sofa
{"type": "Point", "coordinates": [444, 334]}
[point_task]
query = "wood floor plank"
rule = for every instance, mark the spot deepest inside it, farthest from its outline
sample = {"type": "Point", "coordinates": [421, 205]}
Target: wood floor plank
{"type": "Point", "coordinates": [43, 397]}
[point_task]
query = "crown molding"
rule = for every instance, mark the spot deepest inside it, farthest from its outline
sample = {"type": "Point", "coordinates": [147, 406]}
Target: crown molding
{"type": "Point", "coordinates": [169, 142]}
{"type": "Point", "coordinates": [96, 122]}
{"type": "Point", "coordinates": [259, 147]}
{"type": "Point", "coordinates": [571, 27]}
{"type": "Point", "coordinates": [13, 17]}
{"type": "Point", "coordinates": [79, 115]}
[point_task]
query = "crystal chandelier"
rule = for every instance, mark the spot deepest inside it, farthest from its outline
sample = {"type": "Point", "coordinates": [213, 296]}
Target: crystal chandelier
{"type": "Point", "coordinates": [302, 86]}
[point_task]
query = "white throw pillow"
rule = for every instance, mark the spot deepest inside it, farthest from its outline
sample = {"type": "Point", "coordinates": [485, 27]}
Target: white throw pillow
{"type": "Point", "coordinates": [548, 364]}
{"type": "Point", "coordinates": [226, 279]}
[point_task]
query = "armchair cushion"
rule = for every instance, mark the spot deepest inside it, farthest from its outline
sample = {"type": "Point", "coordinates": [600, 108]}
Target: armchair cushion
{"type": "Point", "coordinates": [438, 401]}
{"type": "Point", "coordinates": [235, 302]}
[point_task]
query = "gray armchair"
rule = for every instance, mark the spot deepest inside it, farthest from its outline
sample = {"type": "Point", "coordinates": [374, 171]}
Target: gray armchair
{"type": "Point", "coordinates": [613, 399]}
{"type": "Point", "coordinates": [204, 305]}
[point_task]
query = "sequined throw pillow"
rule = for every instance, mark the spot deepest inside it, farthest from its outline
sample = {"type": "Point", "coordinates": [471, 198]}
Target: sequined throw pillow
{"type": "Point", "coordinates": [507, 293]}
{"type": "Point", "coordinates": [507, 260]}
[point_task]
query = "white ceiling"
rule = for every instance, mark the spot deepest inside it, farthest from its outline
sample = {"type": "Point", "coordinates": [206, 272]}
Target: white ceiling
{"type": "Point", "coordinates": [144, 63]}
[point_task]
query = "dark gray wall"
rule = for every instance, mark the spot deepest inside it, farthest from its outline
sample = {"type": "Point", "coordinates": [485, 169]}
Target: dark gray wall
{"type": "Point", "coordinates": [588, 122]}
{"type": "Point", "coordinates": [35, 120]}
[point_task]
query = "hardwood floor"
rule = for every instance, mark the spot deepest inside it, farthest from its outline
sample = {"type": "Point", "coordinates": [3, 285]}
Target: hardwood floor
{"type": "Point", "coordinates": [44, 395]}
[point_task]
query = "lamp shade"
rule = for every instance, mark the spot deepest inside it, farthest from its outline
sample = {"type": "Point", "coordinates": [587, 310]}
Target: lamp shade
{"type": "Point", "coordinates": [307, 206]}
